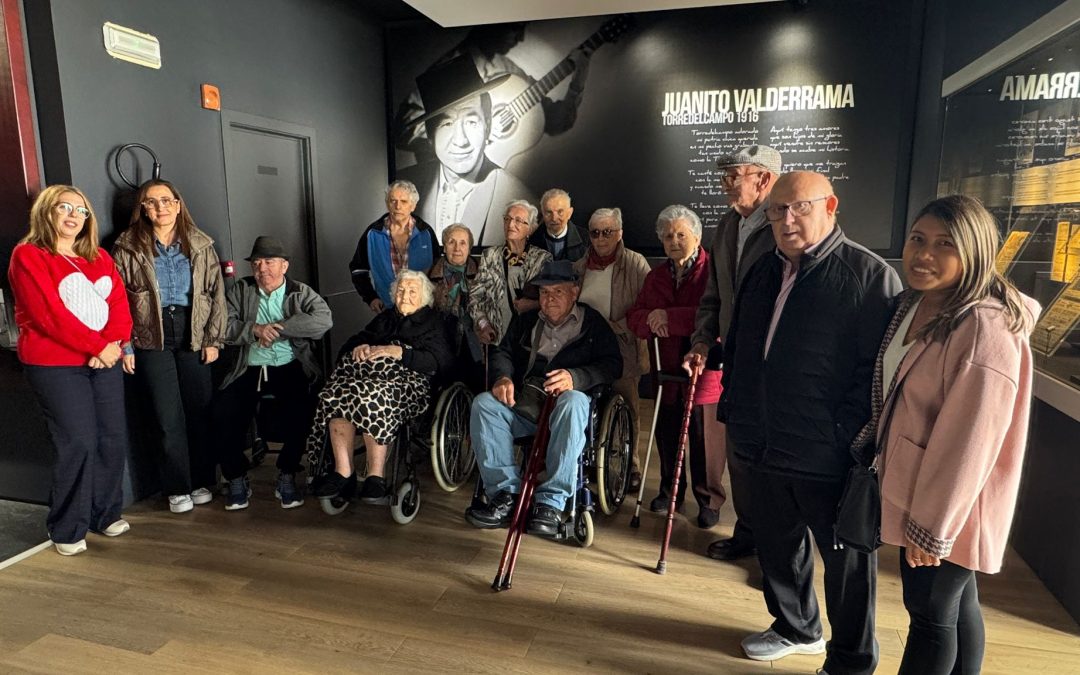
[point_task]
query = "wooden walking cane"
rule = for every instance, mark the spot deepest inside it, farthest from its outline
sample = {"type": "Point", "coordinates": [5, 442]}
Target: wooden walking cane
{"type": "Point", "coordinates": [684, 434]}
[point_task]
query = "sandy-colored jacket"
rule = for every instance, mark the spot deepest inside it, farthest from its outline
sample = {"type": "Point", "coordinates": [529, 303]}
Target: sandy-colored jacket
{"type": "Point", "coordinates": [207, 292]}
{"type": "Point", "coordinates": [627, 277]}
{"type": "Point", "coordinates": [954, 444]}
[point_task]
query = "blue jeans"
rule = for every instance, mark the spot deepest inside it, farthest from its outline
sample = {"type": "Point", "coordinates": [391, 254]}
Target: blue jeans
{"type": "Point", "coordinates": [494, 428]}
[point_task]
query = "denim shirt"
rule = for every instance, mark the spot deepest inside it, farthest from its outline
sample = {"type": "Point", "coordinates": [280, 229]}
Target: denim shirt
{"type": "Point", "coordinates": [173, 271]}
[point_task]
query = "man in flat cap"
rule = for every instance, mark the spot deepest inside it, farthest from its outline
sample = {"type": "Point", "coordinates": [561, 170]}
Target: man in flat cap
{"type": "Point", "coordinates": [274, 324]}
{"type": "Point", "coordinates": [563, 348]}
{"type": "Point", "coordinates": [743, 235]}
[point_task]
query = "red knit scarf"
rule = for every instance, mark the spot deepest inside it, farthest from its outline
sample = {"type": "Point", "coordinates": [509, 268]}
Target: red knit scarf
{"type": "Point", "coordinates": [598, 262]}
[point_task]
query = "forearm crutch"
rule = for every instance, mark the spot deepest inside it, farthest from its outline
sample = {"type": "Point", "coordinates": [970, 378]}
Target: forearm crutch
{"type": "Point", "coordinates": [684, 436]}
{"type": "Point", "coordinates": [535, 464]}
{"type": "Point", "coordinates": [635, 520]}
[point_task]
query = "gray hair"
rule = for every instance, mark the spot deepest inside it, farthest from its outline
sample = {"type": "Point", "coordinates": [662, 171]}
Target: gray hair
{"type": "Point", "coordinates": [533, 212]}
{"type": "Point", "coordinates": [675, 212]}
{"type": "Point", "coordinates": [553, 193]}
{"type": "Point", "coordinates": [427, 290]}
{"type": "Point", "coordinates": [407, 186]}
{"type": "Point", "coordinates": [607, 214]}
{"type": "Point", "coordinates": [454, 227]}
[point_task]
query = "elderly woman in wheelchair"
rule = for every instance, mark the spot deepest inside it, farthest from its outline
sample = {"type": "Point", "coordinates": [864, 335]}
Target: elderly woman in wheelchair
{"type": "Point", "coordinates": [564, 349]}
{"type": "Point", "coordinates": [382, 380]}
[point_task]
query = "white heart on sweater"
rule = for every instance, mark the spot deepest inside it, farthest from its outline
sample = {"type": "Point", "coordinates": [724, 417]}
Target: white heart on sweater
{"type": "Point", "coordinates": [87, 300]}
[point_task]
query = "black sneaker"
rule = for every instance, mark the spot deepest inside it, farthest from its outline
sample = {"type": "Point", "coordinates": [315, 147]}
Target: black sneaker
{"type": "Point", "coordinates": [544, 521]}
{"type": "Point", "coordinates": [373, 491]}
{"type": "Point", "coordinates": [496, 513]}
{"type": "Point", "coordinates": [333, 484]}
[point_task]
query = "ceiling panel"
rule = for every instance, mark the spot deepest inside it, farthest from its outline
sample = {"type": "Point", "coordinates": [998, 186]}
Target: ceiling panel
{"type": "Point", "coordinates": [448, 14]}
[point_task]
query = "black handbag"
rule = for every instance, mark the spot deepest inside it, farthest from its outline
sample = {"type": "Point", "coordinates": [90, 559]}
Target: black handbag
{"type": "Point", "coordinates": [530, 398]}
{"type": "Point", "coordinates": [858, 516]}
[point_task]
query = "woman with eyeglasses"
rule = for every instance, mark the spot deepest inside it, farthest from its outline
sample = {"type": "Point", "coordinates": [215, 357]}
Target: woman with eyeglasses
{"type": "Point", "coordinates": [74, 326]}
{"type": "Point", "coordinates": [502, 290]}
{"type": "Point", "coordinates": [611, 278]}
{"type": "Point", "coordinates": [951, 399]}
{"type": "Point", "coordinates": [666, 309]}
{"type": "Point", "coordinates": [177, 299]}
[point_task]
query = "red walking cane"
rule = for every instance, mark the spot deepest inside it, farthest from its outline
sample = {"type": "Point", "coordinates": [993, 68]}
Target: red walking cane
{"type": "Point", "coordinates": [535, 464]}
{"type": "Point", "coordinates": [684, 434]}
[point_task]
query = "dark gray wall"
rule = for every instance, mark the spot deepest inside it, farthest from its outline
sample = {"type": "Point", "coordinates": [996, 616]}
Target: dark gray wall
{"type": "Point", "coordinates": [974, 27]}
{"type": "Point", "coordinates": [318, 63]}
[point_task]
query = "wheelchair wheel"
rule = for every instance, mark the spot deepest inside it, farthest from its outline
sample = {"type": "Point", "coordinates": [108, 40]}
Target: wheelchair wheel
{"type": "Point", "coordinates": [583, 529]}
{"type": "Point", "coordinates": [333, 506]}
{"type": "Point", "coordinates": [614, 457]}
{"type": "Point", "coordinates": [408, 503]}
{"type": "Point", "coordinates": [452, 457]}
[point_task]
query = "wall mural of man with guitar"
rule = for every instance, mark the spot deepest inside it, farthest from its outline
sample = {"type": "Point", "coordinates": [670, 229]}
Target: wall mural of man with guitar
{"type": "Point", "coordinates": [461, 175]}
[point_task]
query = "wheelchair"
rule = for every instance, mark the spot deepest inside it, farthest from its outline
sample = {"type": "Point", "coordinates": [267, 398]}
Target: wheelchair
{"type": "Point", "coordinates": [603, 475]}
{"type": "Point", "coordinates": [448, 445]}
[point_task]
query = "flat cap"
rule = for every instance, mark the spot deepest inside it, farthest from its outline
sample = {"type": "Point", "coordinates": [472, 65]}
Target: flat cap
{"type": "Point", "coordinates": [762, 155]}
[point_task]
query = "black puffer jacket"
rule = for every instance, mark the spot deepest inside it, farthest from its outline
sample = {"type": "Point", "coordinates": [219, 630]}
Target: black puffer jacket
{"type": "Point", "coordinates": [797, 411]}
{"type": "Point", "coordinates": [427, 349]}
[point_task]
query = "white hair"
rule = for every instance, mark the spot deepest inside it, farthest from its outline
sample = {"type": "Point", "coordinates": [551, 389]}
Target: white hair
{"type": "Point", "coordinates": [407, 186]}
{"type": "Point", "coordinates": [553, 193]}
{"type": "Point", "coordinates": [427, 290]}
{"type": "Point", "coordinates": [676, 212]}
{"type": "Point", "coordinates": [607, 214]}
{"type": "Point", "coordinates": [533, 212]}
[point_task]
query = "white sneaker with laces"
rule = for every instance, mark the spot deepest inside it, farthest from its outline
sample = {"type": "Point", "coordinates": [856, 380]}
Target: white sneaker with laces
{"type": "Point", "coordinates": [769, 645]}
{"type": "Point", "coordinates": [202, 496]}
{"type": "Point", "coordinates": [116, 529]}
{"type": "Point", "coordinates": [70, 549]}
{"type": "Point", "coordinates": [180, 503]}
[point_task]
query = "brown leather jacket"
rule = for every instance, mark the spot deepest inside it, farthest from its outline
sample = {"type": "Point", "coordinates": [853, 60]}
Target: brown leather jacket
{"type": "Point", "coordinates": [207, 293]}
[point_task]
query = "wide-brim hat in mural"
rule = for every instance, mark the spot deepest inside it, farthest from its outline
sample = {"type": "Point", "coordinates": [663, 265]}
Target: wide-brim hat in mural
{"type": "Point", "coordinates": [451, 83]}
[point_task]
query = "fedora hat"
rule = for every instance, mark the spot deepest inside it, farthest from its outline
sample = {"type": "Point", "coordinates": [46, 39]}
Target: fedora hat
{"type": "Point", "coordinates": [267, 247]}
{"type": "Point", "coordinates": [447, 84]}
{"type": "Point", "coordinates": [556, 272]}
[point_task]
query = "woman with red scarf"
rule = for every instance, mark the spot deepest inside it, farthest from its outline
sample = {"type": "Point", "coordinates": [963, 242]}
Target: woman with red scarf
{"type": "Point", "coordinates": [611, 278]}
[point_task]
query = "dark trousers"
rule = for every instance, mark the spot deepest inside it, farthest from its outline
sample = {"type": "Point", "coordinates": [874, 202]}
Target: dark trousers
{"type": "Point", "coordinates": [179, 388]}
{"type": "Point", "coordinates": [788, 513]}
{"type": "Point", "coordinates": [946, 635]}
{"type": "Point", "coordinates": [234, 408]}
{"type": "Point", "coordinates": [84, 411]}
{"type": "Point", "coordinates": [668, 430]}
{"type": "Point", "coordinates": [741, 495]}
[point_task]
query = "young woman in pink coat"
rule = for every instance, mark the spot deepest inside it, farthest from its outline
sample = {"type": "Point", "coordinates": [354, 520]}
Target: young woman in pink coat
{"type": "Point", "coordinates": [955, 368]}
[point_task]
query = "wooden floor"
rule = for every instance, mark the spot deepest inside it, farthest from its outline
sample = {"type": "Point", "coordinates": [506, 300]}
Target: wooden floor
{"type": "Point", "coordinates": [266, 590]}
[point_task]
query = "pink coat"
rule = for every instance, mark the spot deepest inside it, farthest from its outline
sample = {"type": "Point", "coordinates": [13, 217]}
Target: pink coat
{"type": "Point", "coordinates": [954, 447]}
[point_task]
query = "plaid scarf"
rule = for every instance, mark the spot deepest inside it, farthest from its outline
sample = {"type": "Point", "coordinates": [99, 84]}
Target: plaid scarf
{"type": "Point", "coordinates": [867, 436]}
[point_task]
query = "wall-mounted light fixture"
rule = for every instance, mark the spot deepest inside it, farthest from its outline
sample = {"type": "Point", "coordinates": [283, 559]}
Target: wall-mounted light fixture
{"type": "Point", "coordinates": [131, 45]}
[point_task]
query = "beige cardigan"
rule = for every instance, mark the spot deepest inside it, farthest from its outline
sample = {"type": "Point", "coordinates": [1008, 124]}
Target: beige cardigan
{"type": "Point", "coordinates": [954, 445]}
{"type": "Point", "coordinates": [627, 278]}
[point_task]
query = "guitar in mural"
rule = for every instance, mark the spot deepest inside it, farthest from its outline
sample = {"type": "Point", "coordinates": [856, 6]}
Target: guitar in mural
{"type": "Point", "coordinates": [517, 121]}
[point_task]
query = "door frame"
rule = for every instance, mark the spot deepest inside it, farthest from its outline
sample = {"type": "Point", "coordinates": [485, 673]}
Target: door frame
{"type": "Point", "coordinates": [232, 119]}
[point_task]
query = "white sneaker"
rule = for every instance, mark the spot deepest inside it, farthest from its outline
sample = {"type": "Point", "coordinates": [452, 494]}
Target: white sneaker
{"type": "Point", "coordinates": [180, 503]}
{"type": "Point", "coordinates": [116, 529]}
{"type": "Point", "coordinates": [769, 645]}
{"type": "Point", "coordinates": [202, 496]}
{"type": "Point", "coordinates": [71, 549]}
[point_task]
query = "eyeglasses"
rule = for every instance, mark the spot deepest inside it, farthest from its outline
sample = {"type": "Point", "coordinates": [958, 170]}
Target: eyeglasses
{"type": "Point", "coordinates": [165, 203]}
{"type": "Point", "coordinates": [801, 208]}
{"type": "Point", "coordinates": [517, 221]}
{"type": "Point", "coordinates": [729, 180]}
{"type": "Point", "coordinates": [68, 209]}
{"type": "Point", "coordinates": [606, 233]}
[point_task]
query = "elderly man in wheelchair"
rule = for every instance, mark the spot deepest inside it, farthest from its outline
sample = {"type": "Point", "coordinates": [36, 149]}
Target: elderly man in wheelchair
{"type": "Point", "coordinates": [563, 349]}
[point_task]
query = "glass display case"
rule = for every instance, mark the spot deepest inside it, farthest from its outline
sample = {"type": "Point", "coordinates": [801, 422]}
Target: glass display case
{"type": "Point", "coordinates": [1012, 139]}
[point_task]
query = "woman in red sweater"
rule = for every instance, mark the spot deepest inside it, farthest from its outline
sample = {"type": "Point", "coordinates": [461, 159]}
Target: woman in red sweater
{"type": "Point", "coordinates": [666, 308]}
{"type": "Point", "coordinates": [74, 323]}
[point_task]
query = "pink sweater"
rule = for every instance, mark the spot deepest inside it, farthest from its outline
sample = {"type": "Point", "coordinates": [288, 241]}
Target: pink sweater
{"type": "Point", "coordinates": [951, 460]}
